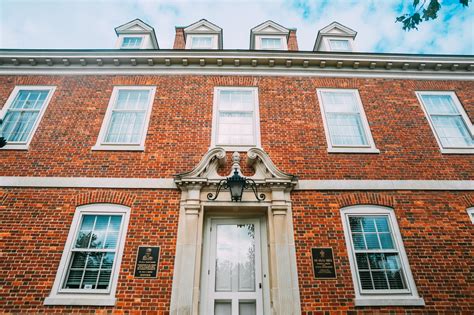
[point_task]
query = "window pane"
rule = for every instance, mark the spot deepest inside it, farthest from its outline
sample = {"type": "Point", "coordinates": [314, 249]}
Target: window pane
{"type": "Point", "coordinates": [380, 282]}
{"type": "Point", "coordinates": [125, 127]}
{"type": "Point", "coordinates": [98, 234]}
{"type": "Point", "coordinates": [346, 129]}
{"type": "Point", "coordinates": [452, 131]}
{"type": "Point", "coordinates": [358, 240]}
{"type": "Point", "coordinates": [18, 125]}
{"type": "Point", "coordinates": [386, 240]}
{"type": "Point", "coordinates": [30, 99]}
{"type": "Point", "coordinates": [130, 99]}
{"type": "Point", "coordinates": [271, 43]}
{"type": "Point", "coordinates": [355, 224]}
{"type": "Point", "coordinates": [362, 261]}
{"type": "Point", "coordinates": [376, 261]}
{"type": "Point", "coordinates": [90, 279]}
{"type": "Point", "coordinates": [93, 260]}
{"type": "Point", "coordinates": [368, 224]}
{"type": "Point", "coordinates": [79, 260]}
{"type": "Point", "coordinates": [247, 308]}
{"type": "Point", "coordinates": [439, 104]}
{"type": "Point", "coordinates": [372, 241]}
{"type": "Point", "coordinates": [201, 42]}
{"type": "Point", "coordinates": [131, 42]}
{"type": "Point", "coordinates": [395, 280]}
{"type": "Point", "coordinates": [222, 308]}
{"type": "Point", "coordinates": [366, 280]}
{"type": "Point", "coordinates": [342, 102]}
{"type": "Point", "coordinates": [339, 44]}
{"type": "Point", "coordinates": [382, 224]}
{"type": "Point", "coordinates": [74, 279]}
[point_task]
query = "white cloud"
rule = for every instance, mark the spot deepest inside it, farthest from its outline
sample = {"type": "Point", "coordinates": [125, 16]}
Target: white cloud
{"type": "Point", "coordinates": [90, 24]}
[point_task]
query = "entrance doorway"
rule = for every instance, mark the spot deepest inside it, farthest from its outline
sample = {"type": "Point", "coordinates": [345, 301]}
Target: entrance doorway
{"type": "Point", "coordinates": [233, 260]}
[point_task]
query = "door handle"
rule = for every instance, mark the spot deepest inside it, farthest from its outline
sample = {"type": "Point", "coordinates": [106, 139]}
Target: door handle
{"type": "Point", "coordinates": [260, 285]}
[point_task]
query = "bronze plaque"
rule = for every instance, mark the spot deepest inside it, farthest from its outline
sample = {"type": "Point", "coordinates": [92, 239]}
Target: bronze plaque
{"type": "Point", "coordinates": [147, 261]}
{"type": "Point", "coordinates": [323, 263]}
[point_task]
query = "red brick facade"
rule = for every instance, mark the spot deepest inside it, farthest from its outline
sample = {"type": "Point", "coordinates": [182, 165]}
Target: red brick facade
{"type": "Point", "coordinates": [435, 228]}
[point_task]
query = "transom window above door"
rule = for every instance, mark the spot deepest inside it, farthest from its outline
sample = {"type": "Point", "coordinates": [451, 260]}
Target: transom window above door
{"type": "Point", "coordinates": [236, 118]}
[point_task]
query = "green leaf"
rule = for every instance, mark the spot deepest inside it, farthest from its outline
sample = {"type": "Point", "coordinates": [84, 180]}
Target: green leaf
{"type": "Point", "coordinates": [465, 3]}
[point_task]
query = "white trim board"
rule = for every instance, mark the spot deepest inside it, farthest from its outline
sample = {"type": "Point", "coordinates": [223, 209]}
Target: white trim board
{"type": "Point", "coordinates": [168, 183]}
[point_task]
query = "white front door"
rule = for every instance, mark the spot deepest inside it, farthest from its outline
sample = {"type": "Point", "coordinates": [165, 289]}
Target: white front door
{"type": "Point", "coordinates": [234, 268]}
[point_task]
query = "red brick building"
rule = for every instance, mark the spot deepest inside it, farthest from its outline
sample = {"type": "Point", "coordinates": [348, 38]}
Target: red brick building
{"type": "Point", "coordinates": [362, 162]}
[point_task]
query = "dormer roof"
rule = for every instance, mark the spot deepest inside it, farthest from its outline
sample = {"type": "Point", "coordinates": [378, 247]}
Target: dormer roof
{"type": "Point", "coordinates": [334, 29]}
{"type": "Point", "coordinates": [267, 28]}
{"type": "Point", "coordinates": [203, 26]}
{"type": "Point", "coordinates": [138, 27]}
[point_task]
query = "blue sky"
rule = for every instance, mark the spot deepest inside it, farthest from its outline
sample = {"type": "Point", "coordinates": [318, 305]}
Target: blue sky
{"type": "Point", "coordinates": [56, 24]}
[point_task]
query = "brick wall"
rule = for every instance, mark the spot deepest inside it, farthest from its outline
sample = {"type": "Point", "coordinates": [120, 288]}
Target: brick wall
{"type": "Point", "coordinates": [436, 231]}
{"type": "Point", "coordinates": [292, 131]}
{"type": "Point", "coordinates": [435, 228]}
{"type": "Point", "coordinates": [33, 231]}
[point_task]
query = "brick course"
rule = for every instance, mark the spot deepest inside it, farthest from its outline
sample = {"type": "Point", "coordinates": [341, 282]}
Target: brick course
{"type": "Point", "coordinates": [435, 228]}
{"type": "Point", "coordinates": [291, 128]}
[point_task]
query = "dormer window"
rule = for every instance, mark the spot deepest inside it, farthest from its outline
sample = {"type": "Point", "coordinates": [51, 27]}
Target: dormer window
{"type": "Point", "coordinates": [271, 43]}
{"type": "Point", "coordinates": [132, 42]}
{"type": "Point", "coordinates": [270, 36]}
{"type": "Point", "coordinates": [339, 45]}
{"type": "Point", "coordinates": [136, 34]}
{"type": "Point", "coordinates": [202, 35]}
{"type": "Point", "coordinates": [335, 37]}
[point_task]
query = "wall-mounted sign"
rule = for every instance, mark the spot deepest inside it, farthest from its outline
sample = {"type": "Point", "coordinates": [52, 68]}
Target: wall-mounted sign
{"type": "Point", "coordinates": [147, 261]}
{"type": "Point", "coordinates": [323, 263]}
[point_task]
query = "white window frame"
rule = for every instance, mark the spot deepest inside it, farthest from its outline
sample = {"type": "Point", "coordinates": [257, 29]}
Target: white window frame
{"type": "Point", "coordinates": [385, 297]}
{"type": "Point", "coordinates": [100, 145]}
{"type": "Point", "coordinates": [369, 148]}
{"type": "Point", "coordinates": [258, 41]}
{"type": "Point", "coordinates": [215, 119]}
{"type": "Point", "coordinates": [132, 36]}
{"type": "Point", "coordinates": [460, 108]}
{"type": "Point", "coordinates": [189, 40]}
{"type": "Point", "coordinates": [59, 296]}
{"type": "Point", "coordinates": [3, 112]}
{"type": "Point", "coordinates": [470, 213]}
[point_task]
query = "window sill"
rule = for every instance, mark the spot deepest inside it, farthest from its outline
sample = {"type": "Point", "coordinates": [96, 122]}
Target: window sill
{"type": "Point", "coordinates": [389, 301]}
{"type": "Point", "coordinates": [19, 147]}
{"type": "Point", "coordinates": [354, 150]}
{"type": "Point", "coordinates": [79, 300]}
{"type": "Point", "coordinates": [457, 151]}
{"type": "Point", "coordinates": [118, 148]}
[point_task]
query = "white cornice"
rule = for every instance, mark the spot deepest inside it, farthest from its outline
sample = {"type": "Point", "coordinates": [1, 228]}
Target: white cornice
{"type": "Point", "coordinates": [234, 62]}
{"type": "Point", "coordinates": [168, 183]}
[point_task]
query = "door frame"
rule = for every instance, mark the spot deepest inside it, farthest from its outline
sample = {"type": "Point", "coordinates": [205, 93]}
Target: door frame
{"type": "Point", "coordinates": [206, 276]}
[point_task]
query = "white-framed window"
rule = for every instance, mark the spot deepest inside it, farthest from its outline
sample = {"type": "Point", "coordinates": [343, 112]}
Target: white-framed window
{"type": "Point", "coordinates": [379, 265]}
{"type": "Point", "coordinates": [236, 122]}
{"type": "Point", "coordinates": [470, 213]}
{"type": "Point", "coordinates": [339, 45]}
{"type": "Point", "coordinates": [90, 264]}
{"type": "Point", "coordinates": [448, 120]}
{"type": "Point", "coordinates": [199, 41]}
{"type": "Point", "coordinates": [126, 120]}
{"type": "Point", "coordinates": [132, 42]}
{"type": "Point", "coordinates": [22, 114]}
{"type": "Point", "coordinates": [271, 42]}
{"type": "Point", "coordinates": [345, 124]}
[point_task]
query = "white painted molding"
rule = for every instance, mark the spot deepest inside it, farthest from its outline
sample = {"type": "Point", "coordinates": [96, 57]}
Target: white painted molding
{"type": "Point", "coordinates": [87, 182]}
{"type": "Point", "coordinates": [385, 185]}
{"type": "Point", "coordinates": [168, 183]}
